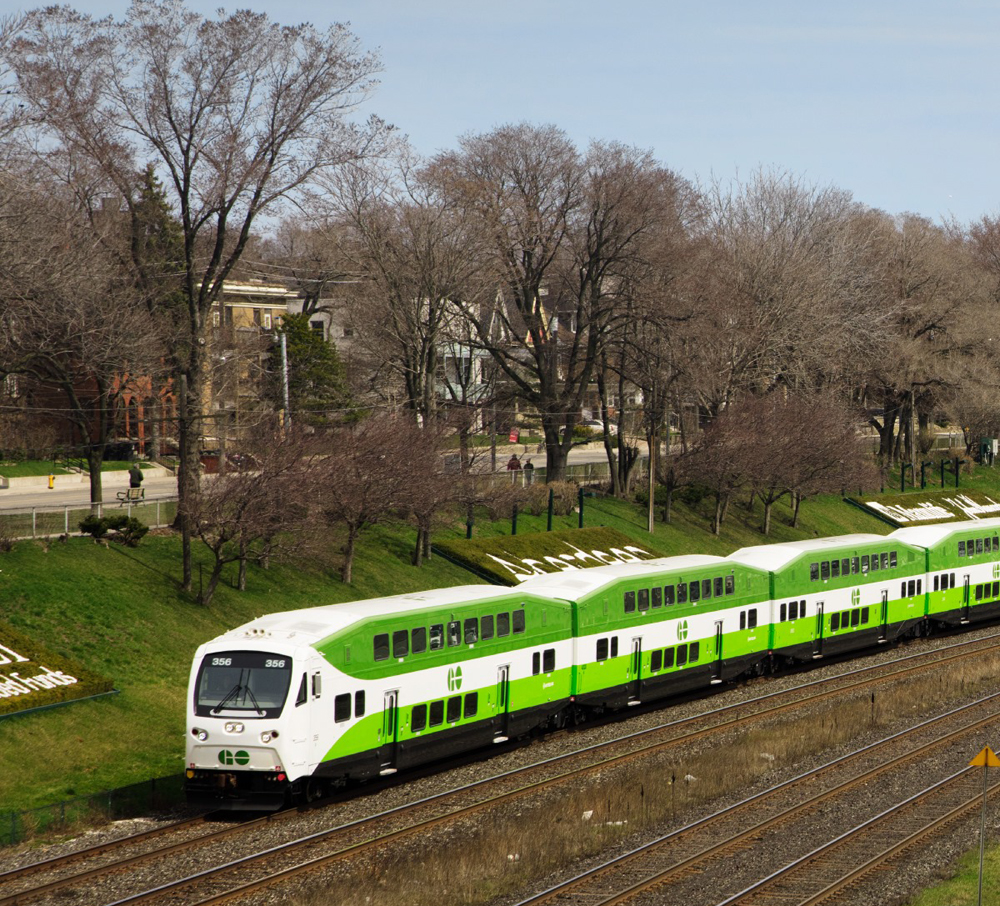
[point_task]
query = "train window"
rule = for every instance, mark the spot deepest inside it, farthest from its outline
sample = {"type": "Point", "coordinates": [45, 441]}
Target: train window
{"type": "Point", "coordinates": [752, 618]}
{"type": "Point", "coordinates": [996, 589]}
{"type": "Point", "coordinates": [855, 568]}
{"type": "Point", "coordinates": [418, 718]}
{"type": "Point", "coordinates": [874, 563]}
{"type": "Point", "coordinates": [656, 661]}
{"type": "Point", "coordinates": [682, 655]}
{"type": "Point", "coordinates": [835, 622]}
{"type": "Point", "coordinates": [937, 582]}
{"type": "Point", "coordinates": [614, 646]}
{"type": "Point", "coordinates": [911, 587]}
{"type": "Point", "coordinates": [437, 636]}
{"type": "Point", "coordinates": [548, 660]}
{"type": "Point", "coordinates": [995, 541]}
{"type": "Point", "coordinates": [657, 597]}
{"type": "Point", "coordinates": [418, 640]}
{"type": "Point", "coordinates": [952, 580]}
{"type": "Point", "coordinates": [454, 633]}
{"type": "Point", "coordinates": [359, 703]}
{"type": "Point", "coordinates": [802, 608]}
{"type": "Point", "coordinates": [793, 610]}
{"type": "Point", "coordinates": [518, 621]}
{"type": "Point", "coordinates": [643, 599]}
{"type": "Point", "coordinates": [920, 586]}
{"type": "Point", "coordinates": [706, 588]}
{"type": "Point", "coordinates": [814, 571]}
{"type": "Point", "coordinates": [845, 566]}
{"type": "Point", "coordinates": [864, 564]}
{"type": "Point", "coordinates": [693, 589]}
{"type": "Point", "coordinates": [834, 569]}
{"type": "Point", "coordinates": [743, 619]}
{"type": "Point", "coordinates": [893, 559]}
{"type": "Point", "coordinates": [717, 587]}
{"type": "Point", "coordinates": [824, 570]}
{"type": "Point", "coordinates": [961, 548]}
{"type": "Point", "coordinates": [630, 602]}
{"type": "Point", "coordinates": [682, 593]}
{"type": "Point", "coordinates": [987, 544]}
{"type": "Point", "coordinates": [979, 592]}
{"type": "Point", "coordinates": [454, 708]}
{"type": "Point", "coordinates": [400, 643]}
{"type": "Point", "coordinates": [471, 631]}
{"type": "Point", "coordinates": [979, 545]}
{"type": "Point", "coordinates": [300, 699]}
{"type": "Point", "coordinates": [342, 708]}
{"type": "Point", "coordinates": [730, 585]}
{"type": "Point", "coordinates": [536, 664]}
{"type": "Point", "coordinates": [855, 617]}
{"type": "Point", "coordinates": [884, 559]}
{"type": "Point", "coordinates": [437, 714]}
{"type": "Point", "coordinates": [864, 614]}
{"type": "Point", "coordinates": [471, 704]}
{"type": "Point", "coordinates": [486, 628]}
{"type": "Point", "coordinates": [668, 658]}
{"type": "Point", "coordinates": [602, 649]}
{"type": "Point", "coordinates": [503, 624]}
{"type": "Point", "coordinates": [382, 646]}
{"type": "Point", "coordinates": [694, 651]}
{"type": "Point", "coordinates": [668, 595]}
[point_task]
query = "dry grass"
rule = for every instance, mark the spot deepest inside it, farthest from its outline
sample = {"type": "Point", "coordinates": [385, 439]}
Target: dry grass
{"type": "Point", "coordinates": [507, 849]}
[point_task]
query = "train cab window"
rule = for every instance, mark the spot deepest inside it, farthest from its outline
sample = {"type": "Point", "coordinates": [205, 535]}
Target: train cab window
{"type": "Point", "coordinates": [855, 567]}
{"type": "Point", "coordinates": [855, 617]}
{"type": "Point", "coordinates": [717, 587]}
{"type": "Point", "coordinates": [706, 589]}
{"type": "Point", "coordinates": [864, 564]}
{"type": "Point", "coordinates": [893, 559]}
{"type": "Point", "coordinates": [911, 587]}
{"type": "Point", "coordinates": [730, 585]}
{"type": "Point", "coordinates": [834, 569]}
{"type": "Point", "coordinates": [693, 591]}
{"type": "Point", "coordinates": [382, 646]}
{"type": "Point", "coordinates": [668, 595]}
{"type": "Point", "coordinates": [342, 708]}
{"type": "Point", "coordinates": [614, 646]}
{"type": "Point", "coordinates": [802, 608]}
{"type": "Point", "coordinates": [400, 643]}
{"type": "Point", "coordinates": [643, 599]}
{"type": "Point", "coordinates": [518, 621]}
{"type": "Point", "coordinates": [548, 660]}
{"type": "Point", "coordinates": [303, 695]}
{"type": "Point", "coordinates": [656, 661]}
{"type": "Point", "coordinates": [471, 631]}
{"type": "Point", "coordinates": [418, 718]}
{"type": "Point", "coordinates": [824, 570]}
{"type": "Point", "coordinates": [835, 622]}
{"type": "Point", "coordinates": [418, 640]}
{"type": "Point", "coordinates": [682, 593]}
{"type": "Point", "coordinates": [979, 545]}
{"type": "Point", "coordinates": [694, 651]}
{"type": "Point", "coordinates": [437, 714]}
{"type": "Point", "coordinates": [682, 655]}
{"type": "Point", "coordinates": [437, 636]}
{"type": "Point", "coordinates": [752, 618]}
{"type": "Point", "coordinates": [602, 649]}
{"type": "Point", "coordinates": [471, 704]}
{"type": "Point", "coordinates": [813, 571]}
{"type": "Point", "coordinates": [486, 628]}
{"type": "Point", "coordinates": [793, 610]}
{"type": "Point", "coordinates": [657, 597]}
{"type": "Point", "coordinates": [454, 708]}
{"type": "Point", "coordinates": [630, 602]}
{"type": "Point", "coordinates": [317, 685]}
{"type": "Point", "coordinates": [503, 624]}
{"type": "Point", "coordinates": [359, 703]}
{"type": "Point", "coordinates": [454, 633]}
{"type": "Point", "coordinates": [536, 663]}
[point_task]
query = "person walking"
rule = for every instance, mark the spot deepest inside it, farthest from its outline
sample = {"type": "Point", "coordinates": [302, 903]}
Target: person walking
{"type": "Point", "coordinates": [135, 476]}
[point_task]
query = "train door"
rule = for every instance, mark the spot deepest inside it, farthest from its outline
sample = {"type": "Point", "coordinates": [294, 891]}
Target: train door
{"type": "Point", "coordinates": [390, 731]}
{"type": "Point", "coordinates": [965, 600]}
{"type": "Point", "coordinates": [883, 633]}
{"type": "Point", "coordinates": [634, 677]}
{"type": "Point", "coordinates": [501, 726]}
{"type": "Point", "coordinates": [818, 637]}
{"type": "Point", "coordinates": [717, 666]}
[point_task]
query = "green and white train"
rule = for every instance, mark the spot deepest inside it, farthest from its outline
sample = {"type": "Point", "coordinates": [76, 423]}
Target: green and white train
{"type": "Point", "coordinates": [294, 702]}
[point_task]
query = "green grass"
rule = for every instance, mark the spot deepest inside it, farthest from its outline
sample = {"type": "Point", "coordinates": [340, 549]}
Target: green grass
{"type": "Point", "coordinates": [35, 468]}
{"type": "Point", "coordinates": [120, 613]}
{"type": "Point", "coordinates": [961, 888]}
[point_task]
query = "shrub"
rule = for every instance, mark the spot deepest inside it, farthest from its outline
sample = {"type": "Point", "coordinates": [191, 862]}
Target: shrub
{"type": "Point", "coordinates": [127, 529]}
{"type": "Point", "coordinates": [564, 498]}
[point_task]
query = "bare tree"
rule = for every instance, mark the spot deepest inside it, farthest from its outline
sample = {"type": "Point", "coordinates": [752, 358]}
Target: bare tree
{"type": "Point", "coordinates": [238, 113]}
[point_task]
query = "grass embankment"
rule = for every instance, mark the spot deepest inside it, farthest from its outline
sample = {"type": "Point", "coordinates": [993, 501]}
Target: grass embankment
{"type": "Point", "coordinates": [120, 613]}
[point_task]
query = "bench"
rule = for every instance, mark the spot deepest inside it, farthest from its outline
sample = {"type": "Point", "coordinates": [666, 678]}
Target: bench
{"type": "Point", "coordinates": [131, 495]}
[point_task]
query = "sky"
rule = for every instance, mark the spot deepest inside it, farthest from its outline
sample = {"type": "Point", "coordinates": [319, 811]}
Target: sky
{"type": "Point", "coordinates": [894, 102]}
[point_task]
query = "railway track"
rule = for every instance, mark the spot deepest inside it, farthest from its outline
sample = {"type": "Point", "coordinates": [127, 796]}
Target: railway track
{"type": "Point", "coordinates": [271, 850]}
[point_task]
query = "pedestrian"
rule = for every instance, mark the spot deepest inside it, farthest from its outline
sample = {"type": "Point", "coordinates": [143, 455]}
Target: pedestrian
{"type": "Point", "coordinates": [135, 476]}
{"type": "Point", "coordinates": [513, 464]}
{"type": "Point", "coordinates": [529, 471]}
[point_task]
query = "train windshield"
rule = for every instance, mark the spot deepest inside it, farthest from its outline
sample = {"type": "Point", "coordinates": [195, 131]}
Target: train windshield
{"type": "Point", "coordinates": [250, 683]}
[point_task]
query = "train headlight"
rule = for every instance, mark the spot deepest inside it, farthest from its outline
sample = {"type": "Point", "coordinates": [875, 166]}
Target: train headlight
{"type": "Point", "coordinates": [200, 735]}
{"type": "Point", "coordinates": [268, 735]}
{"type": "Point", "coordinates": [234, 727]}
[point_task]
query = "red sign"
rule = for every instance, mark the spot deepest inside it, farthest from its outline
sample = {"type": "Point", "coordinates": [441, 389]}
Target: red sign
{"type": "Point", "coordinates": [515, 434]}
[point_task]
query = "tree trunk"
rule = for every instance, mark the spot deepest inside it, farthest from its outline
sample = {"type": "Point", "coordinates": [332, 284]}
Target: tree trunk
{"type": "Point", "coordinates": [95, 457]}
{"type": "Point", "coordinates": [213, 580]}
{"type": "Point", "coordinates": [349, 545]}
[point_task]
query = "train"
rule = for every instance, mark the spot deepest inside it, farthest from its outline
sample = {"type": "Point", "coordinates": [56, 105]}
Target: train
{"type": "Point", "coordinates": [292, 704]}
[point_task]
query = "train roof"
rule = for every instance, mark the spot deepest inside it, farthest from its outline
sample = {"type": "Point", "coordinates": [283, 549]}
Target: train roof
{"type": "Point", "coordinates": [312, 624]}
{"type": "Point", "coordinates": [773, 557]}
{"type": "Point", "coordinates": [571, 584]}
{"type": "Point", "coordinates": [930, 535]}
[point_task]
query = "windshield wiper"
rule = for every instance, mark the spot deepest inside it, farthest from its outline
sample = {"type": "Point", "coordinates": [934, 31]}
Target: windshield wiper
{"type": "Point", "coordinates": [231, 694]}
{"type": "Point", "coordinates": [253, 698]}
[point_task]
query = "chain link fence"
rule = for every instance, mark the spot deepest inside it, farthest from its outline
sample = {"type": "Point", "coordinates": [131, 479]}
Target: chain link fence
{"type": "Point", "coordinates": [53, 521]}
